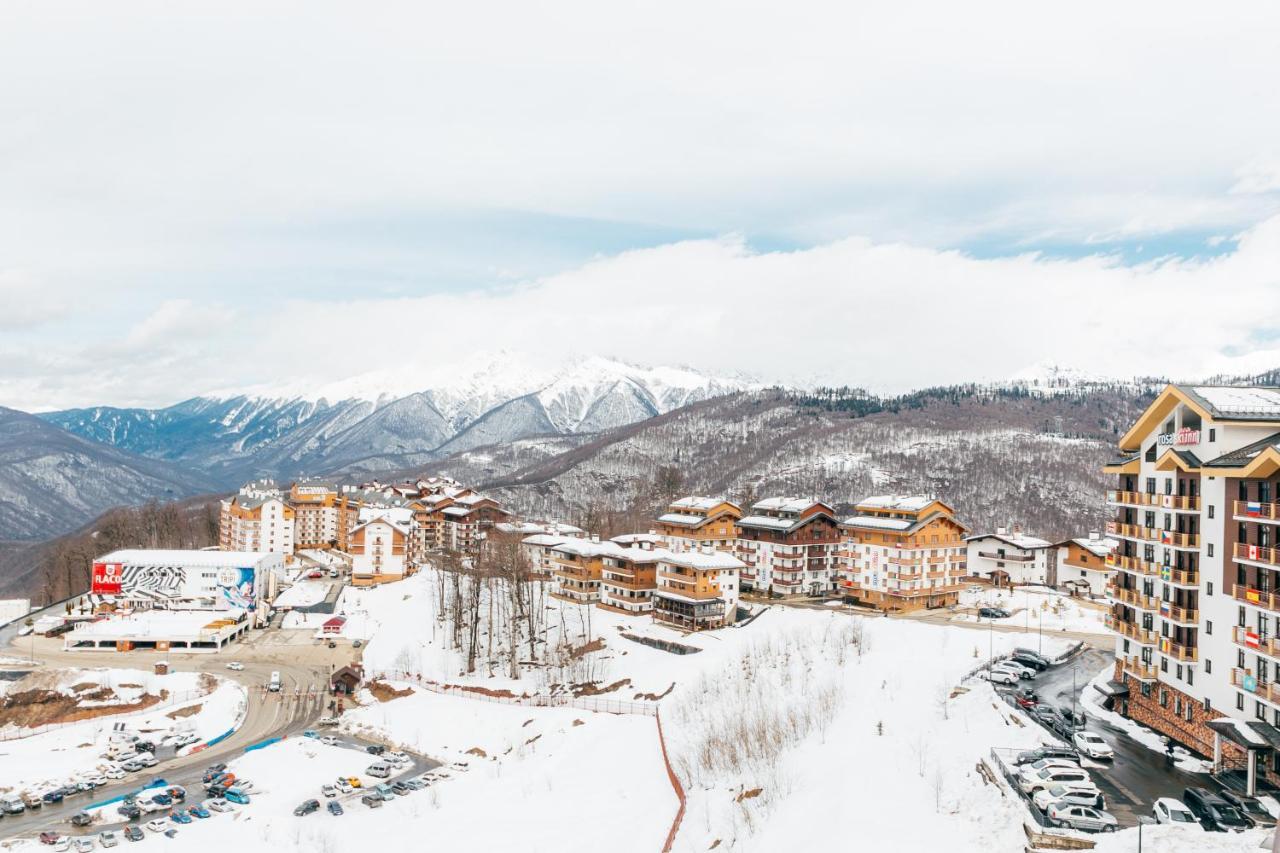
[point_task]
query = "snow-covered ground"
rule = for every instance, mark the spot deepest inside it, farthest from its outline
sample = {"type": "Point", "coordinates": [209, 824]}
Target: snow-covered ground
{"type": "Point", "coordinates": [1034, 607]}
{"type": "Point", "coordinates": [55, 755]}
{"type": "Point", "coordinates": [303, 593]}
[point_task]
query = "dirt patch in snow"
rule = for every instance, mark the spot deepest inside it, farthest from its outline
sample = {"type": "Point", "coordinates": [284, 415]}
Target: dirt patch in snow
{"type": "Point", "coordinates": [654, 697]}
{"type": "Point", "coordinates": [749, 795]}
{"type": "Point", "coordinates": [595, 645]}
{"type": "Point", "coordinates": [590, 689]}
{"type": "Point", "coordinates": [189, 711]}
{"type": "Point", "coordinates": [484, 691]}
{"type": "Point", "coordinates": [32, 708]}
{"type": "Point", "coordinates": [384, 692]}
{"type": "Point", "coordinates": [477, 752]}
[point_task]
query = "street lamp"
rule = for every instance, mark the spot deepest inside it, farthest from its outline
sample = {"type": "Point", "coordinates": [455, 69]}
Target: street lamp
{"type": "Point", "coordinates": [1143, 820]}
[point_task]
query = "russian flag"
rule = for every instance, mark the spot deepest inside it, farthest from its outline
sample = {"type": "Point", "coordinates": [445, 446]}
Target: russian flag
{"type": "Point", "coordinates": [1253, 508]}
{"type": "Point", "coordinates": [1164, 608]}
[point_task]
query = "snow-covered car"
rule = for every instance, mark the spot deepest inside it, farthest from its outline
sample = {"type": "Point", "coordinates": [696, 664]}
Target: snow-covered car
{"type": "Point", "coordinates": [108, 839]}
{"type": "Point", "coordinates": [398, 757]}
{"type": "Point", "coordinates": [158, 825]}
{"type": "Point", "coordinates": [113, 773]}
{"type": "Point", "coordinates": [1092, 745]}
{"type": "Point", "coordinates": [235, 666]}
{"type": "Point", "coordinates": [217, 805]}
{"type": "Point", "coordinates": [1022, 669]}
{"type": "Point", "coordinates": [1170, 810]}
{"type": "Point", "coordinates": [328, 791]}
{"type": "Point", "coordinates": [1081, 817]}
{"type": "Point", "coordinates": [327, 721]}
{"type": "Point", "coordinates": [62, 844]}
{"type": "Point", "coordinates": [1052, 761]}
{"type": "Point", "coordinates": [147, 759]}
{"type": "Point", "coordinates": [999, 676]}
{"type": "Point", "coordinates": [84, 844]}
{"type": "Point", "coordinates": [1076, 795]}
{"type": "Point", "coordinates": [1030, 783]}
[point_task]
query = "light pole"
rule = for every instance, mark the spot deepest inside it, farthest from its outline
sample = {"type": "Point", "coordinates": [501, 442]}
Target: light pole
{"type": "Point", "coordinates": [1143, 820]}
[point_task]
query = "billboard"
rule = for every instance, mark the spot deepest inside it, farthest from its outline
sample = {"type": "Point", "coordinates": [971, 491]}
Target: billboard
{"type": "Point", "coordinates": [107, 578]}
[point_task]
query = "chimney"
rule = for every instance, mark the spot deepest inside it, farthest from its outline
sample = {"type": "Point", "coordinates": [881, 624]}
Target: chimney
{"type": "Point", "coordinates": [1017, 528]}
{"type": "Point", "coordinates": [1094, 536]}
{"type": "Point", "coordinates": [595, 537]}
{"type": "Point", "coordinates": [1000, 531]}
{"type": "Point", "coordinates": [653, 532]}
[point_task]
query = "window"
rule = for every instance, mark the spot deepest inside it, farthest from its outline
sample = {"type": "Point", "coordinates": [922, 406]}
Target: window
{"type": "Point", "coordinates": [1260, 711]}
{"type": "Point", "coordinates": [1211, 510]}
{"type": "Point", "coordinates": [1191, 676]}
{"type": "Point", "coordinates": [1151, 485]}
{"type": "Point", "coordinates": [1177, 705]}
{"type": "Point", "coordinates": [1146, 691]}
{"type": "Point", "coordinates": [1244, 491]}
{"type": "Point", "coordinates": [1210, 549]}
{"type": "Point", "coordinates": [1208, 587]}
{"type": "Point", "coordinates": [1208, 627]}
{"type": "Point", "coordinates": [1208, 706]}
{"type": "Point", "coordinates": [1164, 698]}
{"type": "Point", "coordinates": [1213, 436]}
{"type": "Point", "coordinates": [1178, 674]}
{"type": "Point", "coordinates": [1239, 701]}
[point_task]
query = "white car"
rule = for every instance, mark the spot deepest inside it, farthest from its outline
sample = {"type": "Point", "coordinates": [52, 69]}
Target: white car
{"type": "Point", "coordinates": [113, 773]}
{"type": "Point", "coordinates": [329, 740]}
{"type": "Point", "coordinates": [999, 676]}
{"type": "Point", "coordinates": [83, 844]}
{"type": "Point", "coordinates": [1092, 745]}
{"type": "Point", "coordinates": [158, 825]}
{"type": "Point", "coordinates": [1036, 766]}
{"type": "Point", "coordinates": [1169, 810]}
{"type": "Point", "coordinates": [399, 757]}
{"type": "Point", "coordinates": [108, 839]}
{"type": "Point", "coordinates": [1076, 795]}
{"type": "Point", "coordinates": [62, 844]}
{"type": "Point", "coordinates": [1022, 670]}
{"type": "Point", "coordinates": [146, 759]}
{"type": "Point", "coordinates": [344, 787]}
{"type": "Point", "coordinates": [235, 666]}
{"type": "Point", "coordinates": [218, 805]}
{"type": "Point", "coordinates": [1052, 776]}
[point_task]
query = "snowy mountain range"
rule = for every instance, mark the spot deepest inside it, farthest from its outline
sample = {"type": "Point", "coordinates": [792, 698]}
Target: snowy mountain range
{"type": "Point", "coordinates": [374, 422]}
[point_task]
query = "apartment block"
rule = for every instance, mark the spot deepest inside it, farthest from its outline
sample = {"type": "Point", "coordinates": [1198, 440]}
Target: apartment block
{"type": "Point", "coordinates": [693, 521]}
{"type": "Point", "coordinates": [697, 590]}
{"type": "Point", "coordinates": [1082, 564]}
{"type": "Point", "coordinates": [1010, 557]}
{"type": "Point", "coordinates": [903, 552]}
{"type": "Point", "coordinates": [1196, 570]}
{"type": "Point", "coordinates": [379, 547]}
{"type": "Point", "coordinates": [257, 519]}
{"type": "Point", "coordinates": [789, 547]}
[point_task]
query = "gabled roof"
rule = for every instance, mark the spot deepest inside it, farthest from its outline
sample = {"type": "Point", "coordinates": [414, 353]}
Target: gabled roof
{"type": "Point", "coordinates": [1183, 460]}
{"type": "Point", "coordinates": [1241, 404]}
{"type": "Point", "coordinates": [1251, 456]}
{"type": "Point", "coordinates": [1027, 543]}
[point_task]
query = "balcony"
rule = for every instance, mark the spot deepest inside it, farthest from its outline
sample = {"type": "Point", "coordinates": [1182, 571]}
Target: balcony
{"type": "Point", "coordinates": [1171, 538]}
{"type": "Point", "coordinates": [1244, 679]}
{"type": "Point", "coordinates": [1132, 564]}
{"type": "Point", "coordinates": [927, 591]}
{"type": "Point", "coordinates": [626, 583]}
{"type": "Point", "coordinates": [1255, 511]}
{"type": "Point", "coordinates": [1257, 554]}
{"type": "Point", "coordinates": [1183, 577]}
{"type": "Point", "coordinates": [1139, 670]}
{"type": "Point", "coordinates": [1133, 598]}
{"type": "Point", "coordinates": [1177, 651]}
{"type": "Point", "coordinates": [1179, 503]}
{"type": "Point", "coordinates": [1007, 558]}
{"type": "Point", "coordinates": [1131, 630]}
{"type": "Point", "coordinates": [1249, 639]}
{"type": "Point", "coordinates": [1258, 598]}
{"type": "Point", "coordinates": [1181, 615]}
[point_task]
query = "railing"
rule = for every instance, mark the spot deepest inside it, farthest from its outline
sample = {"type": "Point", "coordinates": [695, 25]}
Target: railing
{"type": "Point", "coordinates": [1246, 510]}
{"type": "Point", "coordinates": [1186, 503]}
{"type": "Point", "coordinates": [1131, 630]}
{"type": "Point", "coordinates": [1181, 615]}
{"type": "Point", "coordinates": [1154, 534]}
{"type": "Point", "coordinates": [1252, 641]}
{"type": "Point", "coordinates": [1244, 679]}
{"type": "Point", "coordinates": [1133, 598]}
{"type": "Point", "coordinates": [1132, 564]}
{"type": "Point", "coordinates": [1257, 554]}
{"type": "Point", "coordinates": [1139, 670]}
{"type": "Point", "coordinates": [1258, 598]}
{"type": "Point", "coordinates": [1179, 651]}
{"type": "Point", "coordinates": [1184, 577]}
{"type": "Point", "coordinates": [1008, 558]}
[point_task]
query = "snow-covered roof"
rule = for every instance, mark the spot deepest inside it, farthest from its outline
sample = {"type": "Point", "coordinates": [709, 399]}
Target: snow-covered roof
{"type": "Point", "coordinates": [766, 521]}
{"type": "Point", "coordinates": [193, 559]}
{"type": "Point", "coordinates": [637, 538]}
{"type": "Point", "coordinates": [1231, 400]}
{"type": "Point", "coordinates": [545, 539]}
{"type": "Point", "coordinates": [702, 560]}
{"type": "Point", "coordinates": [456, 511]}
{"type": "Point", "coordinates": [682, 518]}
{"type": "Point", "coordinates": [154, 623]}
{"type": "Point", "coordinates": [1017, 540]}
{"type": "Point", "coordinates": [878, 522]}
{"type": "Point", "coordinates": [783, 504]}
{"type": "Point", "coordinates": [697, 502]}
{"type": "Point", "coordinates": [1101, 547]}
{"type": "Point", "coordinates": [905, 503]}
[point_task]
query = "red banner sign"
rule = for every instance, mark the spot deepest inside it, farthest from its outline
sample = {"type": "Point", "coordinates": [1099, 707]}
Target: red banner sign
{"type": "Point", "coordinates": [107, 578]}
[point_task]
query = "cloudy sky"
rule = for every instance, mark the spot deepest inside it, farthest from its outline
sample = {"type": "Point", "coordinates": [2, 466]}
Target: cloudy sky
{"type": "Point", "coordinates": [203, 196]}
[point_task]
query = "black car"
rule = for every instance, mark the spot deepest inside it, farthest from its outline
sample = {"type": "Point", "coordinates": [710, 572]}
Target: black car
{"type": "Point", "coordinates": [335, 808]}
{"type": "Point", "coordinates": [1035, 663]}
{"type": "Point", "coordinates": [1044, 662]}
{"type": "Point", "coordinates": [1034, 755]}
{"type": "Point", "coordinates": [216, 791]}
{"type": "Point", "coordinates": [1075, 717]}
{"type": "Point", "coordinates": [54, 796]}
{"type": "Point", "coordinates": [144, 746]}
{"type": "Point", "coordinates": [375, 749]}
{"type": "Point", "coordinates": [1046, 714]}
{"type": "Point", "coordinates": [129, 811]}
{"type": "Point", "coordinates": [1213, 812]}
{"type": "Point", "coordinates": [1064, 728]}
{"type": "Point", "coordinates": [306, 808]}
{"type": "Point", "coordinates": [133, 833]}
{"type": "Point", "coordinates": [1250, 807]}
{"type": "Point", "coordinates": [81, 819]}
{"type": "Point", "coordinates": [213, 771]}
{"type": "Point", "coordinates": [993, 613]}
{"type": "Point", "coordinates": [400, 788]}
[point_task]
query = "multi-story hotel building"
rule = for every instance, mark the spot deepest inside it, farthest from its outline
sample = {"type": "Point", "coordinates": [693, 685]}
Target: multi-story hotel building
{"type": "Point", "coordinates": [697, 590]}
{"type": "Point", "coordinates": [628, 577]}
{"type": "Point", "coordinates": [692, 521]}
{"type": "Point", "coordinates": [256, 519]}
{"type": "Point", "coordinates": [1082, 564]}
{"type": "Point", "coordinates": [1008, 558]}
{"type": "Point", "coordinates": [380, 548]}
{"type": "Point", "coordinates": [903, 552]}
{"type": "Point", "coordinates": [322, 517]}
{"type": "Point", "coordinates": [1194, 598]}
{"type": "Point", "coordinates": [789, 546]}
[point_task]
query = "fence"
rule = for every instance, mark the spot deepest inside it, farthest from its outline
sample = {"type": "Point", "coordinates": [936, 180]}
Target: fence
{"type": "Point", "coordinates": [538, 700]}
{"type": "Point", "coordinates": [174, 699]}
{"type": "Point", "coordinates": [675, 785]}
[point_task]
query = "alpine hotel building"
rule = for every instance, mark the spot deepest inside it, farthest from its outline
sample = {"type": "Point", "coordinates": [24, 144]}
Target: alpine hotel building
{"type": "Point", "coordinates": [1196, 593]}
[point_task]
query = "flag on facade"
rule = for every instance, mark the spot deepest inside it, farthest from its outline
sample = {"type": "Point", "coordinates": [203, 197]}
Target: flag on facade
{"type": "Point", "coordinates": [1253, 508]}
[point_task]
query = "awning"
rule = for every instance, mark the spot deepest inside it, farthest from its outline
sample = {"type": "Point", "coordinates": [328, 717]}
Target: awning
{"type": "Point", "coordinates": [1114, 689]}
{"type": "Point", "coordinates": [1248, 734]}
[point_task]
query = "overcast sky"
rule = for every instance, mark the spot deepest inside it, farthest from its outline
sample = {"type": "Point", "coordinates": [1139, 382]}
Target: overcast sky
{"type": "Point", "coordinates": [200, 196]}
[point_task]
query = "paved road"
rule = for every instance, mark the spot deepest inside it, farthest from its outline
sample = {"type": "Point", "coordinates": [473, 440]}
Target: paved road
{"type": "Point", "coordinates": [1139, 775]}
{"type": "Point", "coordinates": [301, 701]}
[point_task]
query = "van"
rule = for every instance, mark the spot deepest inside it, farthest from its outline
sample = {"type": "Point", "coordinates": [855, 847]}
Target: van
{"type": "Point", "coordinates": [236, 795]}
{"type": "Point", "coordinates": [385, 792]}
{"type": "Point", "coordinates": [274, 686]}
{"type": "Point", "coordinates": [380, 769]}
{"type": "Point", "coordinates": [13, 805]}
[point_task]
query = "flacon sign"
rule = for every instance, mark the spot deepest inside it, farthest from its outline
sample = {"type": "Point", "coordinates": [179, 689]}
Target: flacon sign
{"type": "Point", "coordinates": [1186, 435]}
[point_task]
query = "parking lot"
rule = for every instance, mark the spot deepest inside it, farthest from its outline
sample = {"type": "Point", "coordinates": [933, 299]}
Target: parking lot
{"type": "Point", "coordinates": [1138, 775]}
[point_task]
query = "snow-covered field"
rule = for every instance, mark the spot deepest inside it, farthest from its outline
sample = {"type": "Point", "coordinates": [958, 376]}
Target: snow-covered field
{"type": "Point", "coordinates": [55, 755]}
{"type": "Point", "coordinates": [1036, 606]}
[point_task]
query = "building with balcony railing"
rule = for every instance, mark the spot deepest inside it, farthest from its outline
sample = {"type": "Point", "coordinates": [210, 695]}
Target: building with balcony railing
{"type": "Point", "coordinates": [697, 590]}
{"type": "Point", "coordinates": [903, 552]}
{"type": "Point", "coordinates": [789, 547]}
{"type": "Point", "coordinates": [1196, 571]}
{"type": "Point", "coordinates": [1083, 564]}
{"type": "Point", "coordinates": [693, 521]}
{"type": "Point", "coordinates": [1009, 557]}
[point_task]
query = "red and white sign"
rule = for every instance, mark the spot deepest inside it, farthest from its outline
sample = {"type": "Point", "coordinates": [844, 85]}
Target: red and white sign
{"type": "Point", "coordinates": [107, 578]}
{"type": "Point", "coordinates": [1252, 551]}
{"type": "Point", "coordinates": [1251, 639]}
{"type": "Point", "coordinates": [1182, 437]}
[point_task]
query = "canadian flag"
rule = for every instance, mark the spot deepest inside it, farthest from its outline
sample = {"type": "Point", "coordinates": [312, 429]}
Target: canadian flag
{"type": "Point", "coordinates": [1252, 550]}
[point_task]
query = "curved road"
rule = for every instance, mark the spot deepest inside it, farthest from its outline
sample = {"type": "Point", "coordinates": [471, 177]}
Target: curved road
{"type": "Point", "coordinates": [301, 701]}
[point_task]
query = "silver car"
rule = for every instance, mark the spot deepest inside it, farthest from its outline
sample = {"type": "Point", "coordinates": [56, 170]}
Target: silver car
{"type": "Point", "coordinates": [1081, 817]}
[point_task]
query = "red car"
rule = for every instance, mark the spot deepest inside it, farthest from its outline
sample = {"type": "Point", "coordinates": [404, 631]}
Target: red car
{"type": "Point", "coordinates": [1025, 702]}
{"type": "Point", "coordinates": [48, 838]}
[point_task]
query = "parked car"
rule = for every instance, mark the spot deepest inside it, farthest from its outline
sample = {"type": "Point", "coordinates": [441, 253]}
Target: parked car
{"type": "Point", "coordinates": [1021, 670]}
{"type": "Point", "coordinates": [354, 781]}
{"type": "Point", "coordinates": [54, 796]}
{"type": "Point", "coordinates": [993, 613]}
{"type": "Point", "coordinates": [399, 757]}
{"type": "Point", "coordinates": [1046, 714]}
{"type": "Point", "coordinates": [108, 839]}
{"type": "Point", "coordinates": [129, 811]}
{"type": "Point", "coordinates": [1063, 727]}
{"type": "Point", "coordinates": [158, 825]}
{"type": "Point", "coordinates": [1032, 782]}
{"type": "Point", "coordinates": [1041, 660]}
{"type": "Point", "coordinates": [62, 844]}
{"type": "Point", "coordinates": [1081, 817]}
{"type": "Point", "coordinates": [179, 816]}
{"type": "Point", "coordinates": [81, 819]}
{"type": "Point", "coordinates": [414, 784]}
{"type": "Point", "coordinates": [1214, 813]}
{"type": "Point", "coordinates": [1169, 810]}
{"type": "Point", "coordinates": [334, 807]}
{"type": "Point", "coordinates": [328, 791]}
{"type": "Point", "coordinates": [198, 812]}
{"type": "Point", "coordinates": [386, 792]}
{"type": "Point", "coordinates": [400, 788]}
{"type": "Point", "coordinates": [113, 772]}
{"type": "Point", "coordinates": [162, 799]}
{"type": "Point", "coordinates": [83, 844]}
{"type": "Point", "coordinates": [235, 666]}
{"type": "Point", "coordinates": [133, 833]}
{"type": "Point", "coordinates": [49, 837]}
{"type": "Point", "coordinates": [237, 795]}
{"type": "Point", "coordinates": [373, 801]}
{"type": "Point", "coordinates": [178, 793]}
{"type": "Point", "coordinates": [146, 759]}
{"type": "Point", "coordinates": [344, 786]}
{"type": "Point", "coordinates": [375, 749]}
{"type": "Point", "coordinates": [213, 771]}
{"type": "Point", "coordinates": [1076, 795]}
{"type": "Point", "coordinates": [218, 805]}
{"type": "Point", "coordinates": [999, 676]}
{"type": "Point", "coordinates": [1092, 745]}
{"type": "Point", "coordinates": [329, 740]}
{"type": "Point", "coordinates": [1250, 807]}
{"type": "Point", "coordinates": [327, 721]}
{"type": "Point", "coordinates": [306, 808]}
